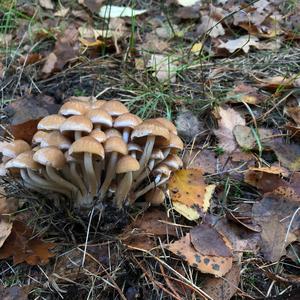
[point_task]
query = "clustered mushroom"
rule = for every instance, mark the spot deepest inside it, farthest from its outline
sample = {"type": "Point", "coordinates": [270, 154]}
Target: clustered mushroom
{"type": "Point", "coordinates": [94, 151]}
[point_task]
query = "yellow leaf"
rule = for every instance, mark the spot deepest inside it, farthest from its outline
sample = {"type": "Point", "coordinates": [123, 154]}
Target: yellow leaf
{"type": "Point", "coordinates": [197, 48]}
{"type": "Point", "coordinates": [91, 44]}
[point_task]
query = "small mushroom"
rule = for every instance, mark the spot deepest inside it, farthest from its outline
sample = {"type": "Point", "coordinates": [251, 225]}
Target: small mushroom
{"type": "Point", "coordinates": [155, 197]}
{"type": "Point", "coordinates": [74, 108]}
{"type": "Point", "coordinates": [97, 104]}
{"type": "Point", "coordinates": [114, 146]}
{"type": "Point", "coordinates": [38, 137]}
{"type": "Point", "coordinates": [55, 139]}
{"type": "Point", "coordinates": [79, 124]}
{"type": "Point", "coordinates": [127, 122]}
{"type": "Point", "coordinates": [174, 145]}
{"type": "Point", "coordinates": [127, 165]}
{"type": "Point", "coordinates": [13, 149]}
{"type": "Point", "coordinates": [167, 124]}
{"type": "Point", "coordinates": [89, 147]}
{"type": "Point", "coordinates": [51, 122]}
{"type": "Point", "coordinates": [173, 161]}
{"type": "Point", "coordinates": [112, 132]}
{"type": "Point", "coordinates": [100, 118]}
{"type": "Point", "coordinates": [133, 149]}
{"type": "Point", "coordinates": [115, 108]}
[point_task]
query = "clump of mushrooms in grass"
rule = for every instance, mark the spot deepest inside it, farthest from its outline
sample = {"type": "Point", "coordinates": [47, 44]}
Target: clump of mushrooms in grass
{"type": "Point", "coordinates": [94, 151]}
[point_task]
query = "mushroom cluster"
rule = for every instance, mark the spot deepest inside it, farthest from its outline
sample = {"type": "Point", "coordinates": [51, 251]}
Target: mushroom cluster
{"type": "Point", "coordinates": [96, 150]}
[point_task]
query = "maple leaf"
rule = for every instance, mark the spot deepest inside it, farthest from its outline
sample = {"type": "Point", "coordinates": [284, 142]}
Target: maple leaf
{"type": "Point", "coordinates": [23, 248]}
{"type": "Point", "coordinates": [229, 118]}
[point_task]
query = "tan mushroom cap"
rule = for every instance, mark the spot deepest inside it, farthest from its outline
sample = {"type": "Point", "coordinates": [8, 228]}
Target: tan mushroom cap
{"type": "Point", "coordinates": [98, 135]}
{"type": "Point", "coordinates": [14, 148]}
{"type": "Point", "coordinates": [115, 144]}
{"type": "Point", "coordinates": [51, 122]}
{"type": "Point", "coordinates": [175, 142]}
{"type": "Point", "coordinates": [127, 120]}
{"type": "Point", "coordinates": [150, 128]}
{"type": "Point", "coordinates": [74, 108]}
{"type": "Point", "coordinates": [156, 197]}
{"type": "Point", "coordinates": [100, 116]}
{"type": "Point", "coordinates": [97, 104]}
{"type": "Point", "coordinates": [51, 157]}
{"type": "Point", "coordinates": [77, 123]}
{"type": "Point", "coordinates": [157, 154]}
{"type": "Point", "coordinates": [134, 147]}
{"type": "Point", "coordinates": [167, 124]}
{"type": "Point", "coordinates": [87, 144]}
{"type": "Point", "coordinates": [112, 132]}
{"type": "Point", "coordinates": [39, 136]}
{"type": "Point", "coordinates": [127, 164]}
{"type": "Point", "coordinates": [162, 169]}
{"type": "Point", "coordinates": [56, 139]}
{"type": "Point", "coordinates": [22, 161]}
{"type": "Point", "coordinates": [115, 108]}
{"type": "Point", "coordinates": [173, 161]}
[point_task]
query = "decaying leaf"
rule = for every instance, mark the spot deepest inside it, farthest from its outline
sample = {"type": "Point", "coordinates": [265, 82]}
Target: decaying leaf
{"type": "Point", "coordinates": [210, 27]}
{"type": "Point", "coordinates": [48, 4]}
{"type": "Point", "coordinates": [223, 288]}
{"type": "Point", "coordinates": [189, 193]}
{"type": "Point", "coordinates": [92, 5]}
{"type": "Point", "coordinates": [279, 81]}
{"type": "Point", "coordinates": [205, 160]}
{"type": "Point", "coordinates": [7, 206]}
{"type": "Point", "coordinates": [62, 12]}
{"type": "Point", "coordinates": [228, 119]}
{"type": "Point", "coordinates": [113, 11]}
{"type": "Point", "coordinates": [294, 113]}
{"type": "Point", "coordinates": [24, 131]}
{"type": "Point", "coordinates": [205, 249]}
{"type": "Point", "coordinates": [23, 248]}
{"type": "Point", "coordinates": [246, 93]}
{"type": "Point", "coordinates": [274, 214]}
{"type": "Point", "coordinates": [154, 44]}
{"type": "Point", "coordinates": [5, 230]}
{"type": "Point", "coordinates": [241, 43]}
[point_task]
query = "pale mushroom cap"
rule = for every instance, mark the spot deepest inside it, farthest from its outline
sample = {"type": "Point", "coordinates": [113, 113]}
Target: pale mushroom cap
{"type": "Point", "coordinates": [162, 169]}
{"type": "Point", "coordinates": [39, 136]}
{"type": "Point", "coordinates": [77, 123]}
{"type": "Point", "coordinates": [51, 122]}
{"type": "Point", "coordinates": [100, 116]}
{"type": "Point", "coordinates": [98, 135]}
{"type": "Point", "coordinates": [112, 132]}
{"type": "Point", "coordinates": [175, 142]}
{"type": "Point", "coordinates": [22, 161]}
{"type": "Point", "coordinates": [127, 120]}
{"type": "Point", "coordinates": [56, 139]}
{"type": "Point", "coordinates": [14, 148]}
{"type": "Point", "coordinates": [156, 197]}
{"type": "Point", "coordinates": [173, 161]}
{"type": "Point", "coordinates": [74, 108]}
{"type": "Point", "coordinates": [134, 147]}
{"type": "Point", "coordinates": [167, 124]}
{"type": "Point", "coordinates": [127, 164]}
{"type": "Point", "coordinates": [97, 104]}
{"type": "Point", "coordinates": [51, 156]}
{"type": "Point", "coordinates": [115, 108]}
{"type": "Point", "coordinates": [115, 144]}
{"type": "Point", "coordinates": [157, 154]}
{"type": "Point", "coordinates": [150, 128]}
{"type": "Point", "coordinates": [87, 144]}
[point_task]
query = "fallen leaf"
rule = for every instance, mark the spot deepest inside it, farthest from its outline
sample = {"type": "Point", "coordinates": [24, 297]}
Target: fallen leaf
{"type": "Point", "coordinates": [22, 247]}
{"type": "Point", "coordinates": [210, 27]}
{"type": "Point", "coordinates": [30, 59]}
{"type": "Point", "coordinates": [92, 5]}
{"type": "Point", "coordinates": [15, 292]}
{"type": "Point", "coordinates": [5, 230]}
{"type": "Point", "coordinates": [245, 93]}
{"type": "Point", "coordinates": [205, 160]}
{"type": "Point", "coordinates": [241, 43]}
{"type": "Point", "coordinates": [216, 255]}
{"type": "Point", "coordinates": [7, 206]}
{"type": "Point", "coordinates": [62, 12]}
{"type": "Point", "coordinates": [188, 2]}
{"type": "Point", "coordinates": [228, 119]}
{"type": "Point", "coordinates": [294, 113]}
{"type": "Point", "coordinates": [113, 11]}
{"type": "Point", "coordinates": [50, 62]}
{"type": "Point", "coordinates": [189, 193]}
{"type": "Point", "coordinates": [48, 4]}
{"type": "Point", "coordinates": [196, 49]}
{"type": "Point", "coordinates": [153, 43]}
{"type": "Point", "coordinates": [223, 288]}
{"type": "Point", "coordinates": [279, 82]}
{"type": "Point", "coordinates": [24, 131]}
{"type": "Point", "coordinates": [274, 215]}
{"type": "Point", "coordinates": [163, 66]}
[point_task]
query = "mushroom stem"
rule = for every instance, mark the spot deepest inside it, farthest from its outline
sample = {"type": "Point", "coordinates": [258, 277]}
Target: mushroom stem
{"type": "Point", "coordinates": [123, 189]}
{"type": "Point", "coordinates": [77, 135]}
{"type": "Point", "coordinates": [98, 165]}
{"type": "Point", "coordinates": [109, 174]}
{"type": "Point", "coordinates": [61, 181]}
{"type": "Point", "coordinates": [28, 182]}
{"type": "Point", "coordinates": [125, 135]}
{"type": "Point", "coordinates": [77, 179]}
{"type": "Point", "coordinates": [90, 172]}
{"type": "Point", "coordinates": [146, 155]}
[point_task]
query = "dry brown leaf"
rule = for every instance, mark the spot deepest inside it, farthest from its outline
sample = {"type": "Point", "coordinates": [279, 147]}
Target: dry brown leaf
{"type": "Point", "coordinates": [7, 206]}
{"type": "Point", "coordinates": [210, 27]}
{"type": "Point", "coordinates": [189, 193]}
{"type": "Point", "coordinates": [50, 62]}
{"type": "Point", "coordinates": [241, 43]}
{"type": "Point", "coordinates": [48, 4]}
{"type": "Point", "coordinates": [30, 59]}
{"type": "Point", "coordinates": [189, 247]}
{"type": "Point", "coordinates": [274, 215]}
{"type": "Point", "coordinates": [92, 5]}
{"type": "Point", "coordinates": [223, 288]}
{"type": "Point", "coordinates": [23, 248]}
{"type": "Point", "coordinates": [279, 81]}
{"type": "Point", "coordinates": [205, 160]}
{"type": "Point", "coordinates": [24, 131]}
{"type": "Point", "coordinates": [5, 230]}
{"type": "Point", "coordinates": [228, 119]}
{"type": "Point", "coordinates": [294, 113]}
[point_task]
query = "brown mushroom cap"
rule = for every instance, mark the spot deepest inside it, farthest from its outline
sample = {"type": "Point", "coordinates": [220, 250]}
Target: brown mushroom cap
{"type": "Point", "coordinates": [22, 161]}
{"type": "Point", "coordinates": [115, 144]}
{"type": "Point", "coordinates": [38, 137]}
{"type": "Point", "coordinates": [175, 142]}
{"type": "Point", "coordinates": [157, 154]}
{"type": "Point", "coordinates": [87, 144]}
{"type": "Point", "coordinates": [167, 124]}
{"type": "Point", "coordinates": [100, 116]}
{"type": "Point", "coordinates": [127, 120]}
{"type": "Point", "coordinates": [74, 108]}
{"type": "Point", "coordinates": [115, 108]}
{"type": "Point", "coordinates": [161, 169]}
{"type": "Point", "coordinates": [14, 148]}
{"type": "Point", "coordinates": [56, 139]}
{"type": "Point", "coordinates": [51, 122]}
{"type": "Point", "coordinates": [173, 161]}
{"type": "Point", "coordinates": [156, 197]}
{"type": "Point", "coordinates": [50, 156]}
{"type": "Point", "coordinates": [112, 132]}
{"type": "Point", "coordinates": [77, 123]}
{"type": "Point", "coordinates": [127, 164]}
{"type": "Point", "coordinates": [97, 104]}
{"type": "Point", "coordinates": [98, 135]}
